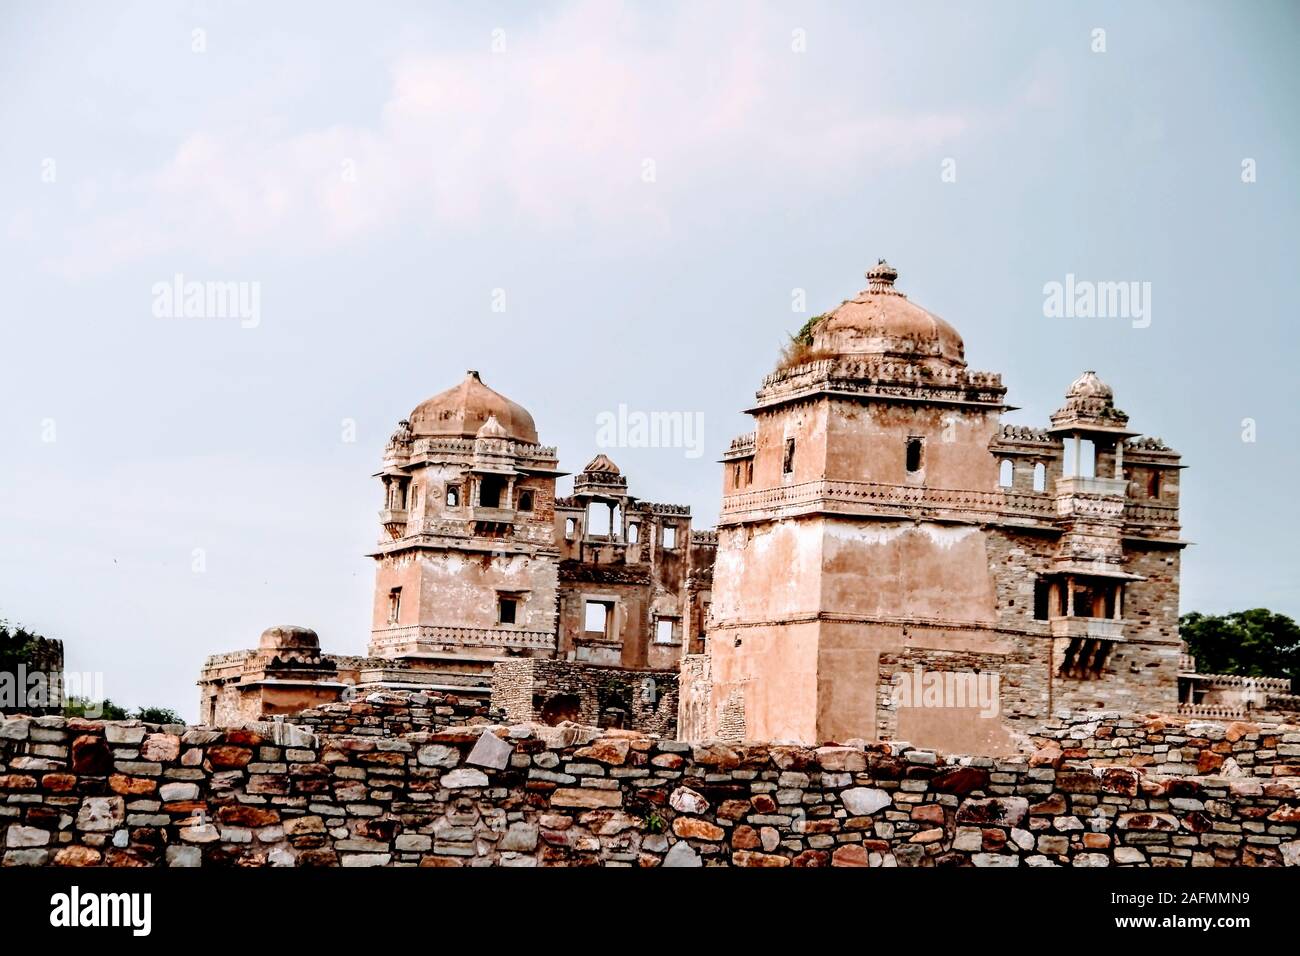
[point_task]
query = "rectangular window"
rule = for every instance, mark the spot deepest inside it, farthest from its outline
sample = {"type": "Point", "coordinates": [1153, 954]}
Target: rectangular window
{"type": "Point", "coordinates": [490, 490]}
{"type": "Point", "coordinates": [1042, 598]}
{"type": "Point", "coordinates": [507, 609]}
{"type": "Point", "coordinates": [666, 630]}
{"type": "Point", "coordinates": [394, 605]}
{"type": "Point", "coordinates": [915, 454]}
{"type": "Point", "coordinates": [597, 617]}
{"type": "Point", "coordinates": [670, 536]}
{"type": "Point", "coordinates": [787, 462]}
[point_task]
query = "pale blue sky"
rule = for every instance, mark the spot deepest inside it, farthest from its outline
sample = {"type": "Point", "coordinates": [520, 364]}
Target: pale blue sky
{"type": "Point", "coordinates": [522, 170]}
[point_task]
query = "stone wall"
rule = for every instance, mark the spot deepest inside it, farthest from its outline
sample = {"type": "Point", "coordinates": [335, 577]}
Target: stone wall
{"type": "Point", "coordinates": [81, 792]}
{"type": "Point", "coordinates": [390, 714]}
{"type": "Point", "coordinates": [1174, 746]}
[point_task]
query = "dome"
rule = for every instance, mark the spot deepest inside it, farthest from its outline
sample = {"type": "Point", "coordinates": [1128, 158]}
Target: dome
{"type": "Point", "coordinates": [601, 465]}
{"type": "Point", "coordinates": [1088, 385]}
{"type": "Point", "coordinates": [460, 412]}
{"type": "Point", "coordinates": [289, 637]}
{"type": "Point", "coordinates": [881, 322]}
{"type": "Point", "coordinates": [1089, 406]}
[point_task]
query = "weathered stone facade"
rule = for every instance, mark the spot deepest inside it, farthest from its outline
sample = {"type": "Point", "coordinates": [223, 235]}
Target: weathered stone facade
{"type": "Point", "coordinates": [882, 517]}
{"type": "Point", "coordinates": [550, 692]}
{"type": "Point", "coordinates": [80, 793]}
{"type": "Point", "coordinates": [480, 563]}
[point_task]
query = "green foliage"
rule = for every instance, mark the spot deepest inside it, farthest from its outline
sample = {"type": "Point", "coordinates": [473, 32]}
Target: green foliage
{"type": "Point", "coordinates": [800, 347]}
{"type": "Point", "coordinates": [159, 715]}
{"type": "Point", "coordinates": [654, 823]}
{"type": "Point", "coordinates": [97, 710]}
{"type": "Point", "coordinates": [17, 644]}
{"type": "Point", "coordinates": [1254, 643]}
{"type": "Point", "coordinates": [804, 336]}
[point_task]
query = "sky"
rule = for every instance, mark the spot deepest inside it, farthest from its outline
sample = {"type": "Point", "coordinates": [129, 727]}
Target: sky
{"type": "Point", "coordinates": [595, 204]}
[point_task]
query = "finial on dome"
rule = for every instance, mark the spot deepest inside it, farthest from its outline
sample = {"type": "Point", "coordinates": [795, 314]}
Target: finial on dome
{"type": "Point", "coordinates": [473, 373]}
{"type": "Point", "coordinates": [880, 278]}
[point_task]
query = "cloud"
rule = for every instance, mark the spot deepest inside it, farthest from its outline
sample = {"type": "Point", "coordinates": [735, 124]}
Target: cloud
{"type": "Point", "coordinates": [551, 133]}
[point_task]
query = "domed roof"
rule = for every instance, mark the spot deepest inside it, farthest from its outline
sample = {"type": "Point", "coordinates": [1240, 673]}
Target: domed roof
{"type": "Point", "coordinates": [602, 464]}
{"type": "Point", "coordinates": [289, 637]}
{"type": "Point", "coordinates": [881, 322]}
{"type": "Point", "coordinates": [1088, 385]}
{"type": "Point", "coordinates": [461, 411]}
{"type": "Point", "coordinates": [1089, 406]}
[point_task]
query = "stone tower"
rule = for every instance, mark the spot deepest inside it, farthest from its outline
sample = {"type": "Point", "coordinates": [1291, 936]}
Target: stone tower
{"type": "Point", "coordinates": [466, 571]}
{"type": "Point", "coordinates": [881, 521]}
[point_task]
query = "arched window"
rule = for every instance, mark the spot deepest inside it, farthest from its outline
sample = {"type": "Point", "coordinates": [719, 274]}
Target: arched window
{"type": "Point", "coordinates": [570, 528]}
{"type": "Point", "coordinates": [1040, 476]}
{"type": "Point", "coordinates": [453, 497]}
{"type": "Point", "coordinates": [525, 501]}
{"type": "Point", "coordinates": [1006, 472]}
{"type": "Point", "coordinates": [633, 533]}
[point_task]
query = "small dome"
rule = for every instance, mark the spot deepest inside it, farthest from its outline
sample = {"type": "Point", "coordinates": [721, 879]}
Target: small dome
{"type": "Point", "coordinates": [1088, 385]}
{"type": "Point", "coordinates": [289, 637]}
{"type": "Point", "coordinates": [601, 465]}
{"type": "Point", "coordinates": [461, 411]}
{"type": "Point", "coordinates": [1089, 406]}
{"type": "Point", "coordinates": [881, 322]}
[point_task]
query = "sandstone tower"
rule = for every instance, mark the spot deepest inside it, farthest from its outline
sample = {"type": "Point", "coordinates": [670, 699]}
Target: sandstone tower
{"type": "Point", "coordinates": [880, 520]}
{"type": "Point", "coordinates": [467, 573]}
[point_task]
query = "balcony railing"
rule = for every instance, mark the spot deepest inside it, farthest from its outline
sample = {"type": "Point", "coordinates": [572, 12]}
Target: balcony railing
{"type": "Point", "coordinates": [493, 515]}
{"type": "Point", "coordinates": [1079, 485]}
{"type": "Point", "coordinates": [880, 498]}
{"type": "Point", "coordinates": [409, 637]}
{"type": "Point", "coordinates": [1094, 628]}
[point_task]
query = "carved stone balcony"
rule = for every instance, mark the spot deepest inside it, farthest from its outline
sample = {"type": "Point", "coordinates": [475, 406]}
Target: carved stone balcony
{"type": "Point", "coordinates": [1092, 628]}
{"type": "Point", "coordinates": [493, 515]}
{"type": "Point", "coordinates": [393, 520]}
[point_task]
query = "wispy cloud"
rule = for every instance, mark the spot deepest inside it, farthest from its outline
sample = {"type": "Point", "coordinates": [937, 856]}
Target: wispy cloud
{"type": "Point", "coordinates": [552, 132]}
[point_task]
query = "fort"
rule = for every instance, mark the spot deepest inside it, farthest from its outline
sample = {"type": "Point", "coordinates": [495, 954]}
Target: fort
{"type": "Point", "coordinates": [918, 636]}
{"type": "Point", "coordinates": [881, 519]}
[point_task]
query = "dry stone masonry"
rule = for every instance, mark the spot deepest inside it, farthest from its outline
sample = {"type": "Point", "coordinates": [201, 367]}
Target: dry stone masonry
{"type": "Point", "coordinates": [424, 780]}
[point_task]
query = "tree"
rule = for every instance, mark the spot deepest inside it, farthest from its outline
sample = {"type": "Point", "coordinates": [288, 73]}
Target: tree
{"type": "Point", "coordinates": [17, 644]}
{"type": "Point", "coordinates": [1254, 643]}
{"type": "Point", "coordinates": [96, 709]}
{"type": "Point", "coordinates": [159, 715]}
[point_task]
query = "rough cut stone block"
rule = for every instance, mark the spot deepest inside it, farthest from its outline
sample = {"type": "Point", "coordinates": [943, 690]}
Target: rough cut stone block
{"type": "Point", "coordinates": [682, 854]}
{"type": "Point", "coordinates": [686, 800]}
{"type": "Point", "coordinates": [101, 814]}
{"type": "Point", "coordinates": [863, 801]}
{"type": "Point", "coordinates": [464, 777]}
{"type": "Point", "coordinates": [490, 751]}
